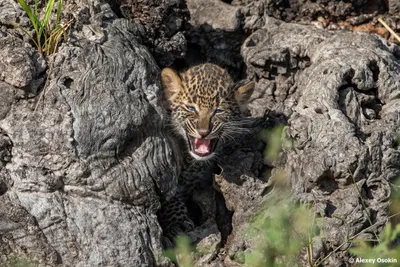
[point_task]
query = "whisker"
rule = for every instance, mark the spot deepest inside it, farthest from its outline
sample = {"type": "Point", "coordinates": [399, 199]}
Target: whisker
{"type": "Point", "coordinates": [217, 156]}
{"type": "Point", "coordinates": [229, 137]}
{"type": "Point", "coordinates": [236, 129]}
{"type": "Point", "coordinates": [245, 123]}
{"type": "Point", "coordinates": [190, 128]}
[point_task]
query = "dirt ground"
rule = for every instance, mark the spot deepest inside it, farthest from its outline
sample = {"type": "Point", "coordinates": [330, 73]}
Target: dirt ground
{"type": "Point", "coordinates": [355, 15]}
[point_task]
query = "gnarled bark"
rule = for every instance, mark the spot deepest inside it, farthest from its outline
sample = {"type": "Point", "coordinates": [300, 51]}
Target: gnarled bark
{"type": "Point", "coordinates": [81, 176]}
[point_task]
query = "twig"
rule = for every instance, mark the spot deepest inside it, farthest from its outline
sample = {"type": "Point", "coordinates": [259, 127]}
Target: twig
{"type": "Point", "coordinates": [364, 206]}
{"type": "Point", "coordinates": [389, 29]}
{"type": "Point", "coordinates": [349, 240]}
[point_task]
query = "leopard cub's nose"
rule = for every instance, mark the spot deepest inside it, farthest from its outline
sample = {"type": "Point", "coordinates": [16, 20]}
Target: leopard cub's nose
{"type": "Point", "coordinates": [203, 132]}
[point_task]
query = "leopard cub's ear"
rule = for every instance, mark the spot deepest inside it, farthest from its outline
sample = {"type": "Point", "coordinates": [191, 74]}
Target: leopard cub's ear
{"type": "Point", "coordinates": [172, 84]}
{"type": "Point", "coordinates": [243, 94]}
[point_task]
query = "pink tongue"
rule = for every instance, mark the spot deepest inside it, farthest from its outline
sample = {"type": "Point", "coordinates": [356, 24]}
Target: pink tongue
{"type": "Point", "coordinates": [202, 146]}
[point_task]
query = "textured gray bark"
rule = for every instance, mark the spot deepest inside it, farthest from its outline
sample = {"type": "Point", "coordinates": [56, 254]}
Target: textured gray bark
{"type": "Point", "coordinates": [214, 35]}
{"type": "Point", "coordinates": [81, 177]}
{"type": "Point", "coordinates": [339, 91]}
{"type": "Point", "coordinates": [331, 14]}
{"type": "Point", "coordinates": [159, 24]}
{"type": "Point", "coordinates": [85, 168]}
{"type": "Point", "coordinates": [209, 12]}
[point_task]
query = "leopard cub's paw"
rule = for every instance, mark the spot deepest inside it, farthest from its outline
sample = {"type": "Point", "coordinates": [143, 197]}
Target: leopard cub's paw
{"type": "Point", "coordinates": [174, 221]}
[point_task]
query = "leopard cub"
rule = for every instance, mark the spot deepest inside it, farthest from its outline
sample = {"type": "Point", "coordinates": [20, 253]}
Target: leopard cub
{"type": "Point", "coordinates": [204, 104]}
{"type": "Point", "coordinates": [206, 108]}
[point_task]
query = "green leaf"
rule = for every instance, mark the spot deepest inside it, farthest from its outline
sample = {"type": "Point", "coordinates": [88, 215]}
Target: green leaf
{"type": "Point", "coordinates": [388, 232]}
{"type": "Point", "coordinates": [361, 249]}
{"type": "Point", "coordinates": [46, 37]}
{"type": "Point", "coordinates": [59, 12]}
{"type": "Point", "coordinates": [395, 233]}
{"type": "Point", "coordinates": [47, 14]}
{"type": "Point", "coordinates": [34, 19]}
{"type": "Point", "coordinates": [36, 8]}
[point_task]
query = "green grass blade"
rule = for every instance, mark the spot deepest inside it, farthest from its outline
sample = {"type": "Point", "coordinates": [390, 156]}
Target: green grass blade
{"type": "Point", "coordinates": [27, 33]}
{"type": "Point", "coordinates": [47, 36]}
{"type": "Point", "coordinates": [60, 3]}
{"type": "Point", "coordinates": [44, 24]}
{"type": "Point", "coordinates": [54, 38]}
{"type": "Point", "coordinates": [34, 19]}
{"type": "Point", "coordinates": [47, 14]}
{"type": "Point", "coordinates": [36, 8]}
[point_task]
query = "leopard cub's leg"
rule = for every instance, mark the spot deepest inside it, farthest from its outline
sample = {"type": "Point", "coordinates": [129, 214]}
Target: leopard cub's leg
{"type": "Point", "coordinates": [174, 216]}
{"type": "Point", "coordinates": [174, 220]}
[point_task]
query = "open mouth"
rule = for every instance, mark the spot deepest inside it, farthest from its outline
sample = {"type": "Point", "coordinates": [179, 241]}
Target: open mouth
{"type": "Point", "coordinates": [202, 147]}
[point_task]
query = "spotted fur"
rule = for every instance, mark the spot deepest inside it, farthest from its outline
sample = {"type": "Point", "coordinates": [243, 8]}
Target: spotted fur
{"type": "Point", "coordinates": [205, 107]}
{"type": "Point", "coordinates": [203, 101]}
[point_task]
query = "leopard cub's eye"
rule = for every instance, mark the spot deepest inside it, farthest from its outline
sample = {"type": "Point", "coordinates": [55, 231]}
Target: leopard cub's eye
{"type": "Point", "coordinates": [191, 108]}
{"type": "Point", "coordinates": [218, 111]}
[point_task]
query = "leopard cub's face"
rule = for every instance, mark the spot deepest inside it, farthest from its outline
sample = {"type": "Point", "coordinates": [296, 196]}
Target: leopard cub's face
{"type": "Point", "coordinates": [204, 106]}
